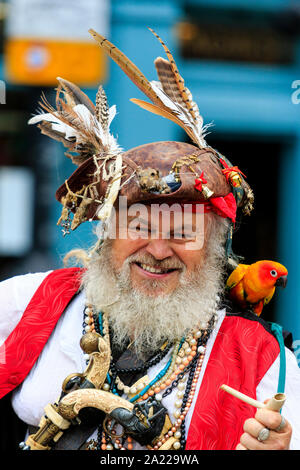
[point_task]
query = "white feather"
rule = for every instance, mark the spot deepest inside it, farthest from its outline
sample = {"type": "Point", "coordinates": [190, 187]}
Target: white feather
{"type": "Point", "coordinates": [112, 113]}
{"type": "Point", "coordinates": [163, 96]}
{"type": "Point", "coordinates": [57, 124]}
{"type": "Point", "coordinates": [182, 113]}
{"type": "Point", "coordinates": [107, 139]}
{"type": "Point", "coordinates": [177, 110]}
{"type": "Point", "coordinates": [89, 121]}
{"type": "Point", "coordinates": [85, 115]}
{"type": "Point", "coordinates": [42, 117]}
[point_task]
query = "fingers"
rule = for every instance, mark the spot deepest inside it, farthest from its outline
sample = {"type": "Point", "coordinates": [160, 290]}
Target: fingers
{"type": "Point", "coordinates": [251, 443]}
{"type": "Point", "coordinates": [279, 435]}
{"type": "Point", "coordinates": [240, 447]}
{"type": "Point", "coordinates": [253, 427]}
{"type": "Point", "coordinates": [271, 419]}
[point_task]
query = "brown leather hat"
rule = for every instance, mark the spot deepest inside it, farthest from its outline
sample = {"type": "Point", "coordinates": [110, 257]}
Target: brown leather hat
{"type": "Point", "coordinates": [144, 171]}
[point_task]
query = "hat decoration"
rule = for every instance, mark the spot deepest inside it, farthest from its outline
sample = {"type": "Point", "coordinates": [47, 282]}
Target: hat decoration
{"type": "Point", "coordinates": [84, 129]}
{"type": "Point", "coordinates": [171, 99]}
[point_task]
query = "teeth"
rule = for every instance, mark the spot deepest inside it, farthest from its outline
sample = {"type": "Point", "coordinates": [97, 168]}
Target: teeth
{"type": "Point", "coordinates": [150, 269]}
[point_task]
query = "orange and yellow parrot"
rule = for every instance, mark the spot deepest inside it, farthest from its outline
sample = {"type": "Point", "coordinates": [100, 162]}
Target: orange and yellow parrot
{"type": "Point", "coordinates": [253, 286]}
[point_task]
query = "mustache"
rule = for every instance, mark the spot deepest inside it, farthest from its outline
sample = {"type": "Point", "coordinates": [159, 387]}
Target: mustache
{"type": "Point", "coordinates": [146, 258]}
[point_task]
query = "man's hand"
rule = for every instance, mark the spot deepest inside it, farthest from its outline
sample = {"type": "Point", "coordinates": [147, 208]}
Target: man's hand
{"type": "Point", "coordinates": [276, 435]}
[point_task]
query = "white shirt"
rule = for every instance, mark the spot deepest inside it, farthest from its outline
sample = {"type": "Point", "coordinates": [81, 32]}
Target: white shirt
{"type": "Point", "coordinates": [62, 355]}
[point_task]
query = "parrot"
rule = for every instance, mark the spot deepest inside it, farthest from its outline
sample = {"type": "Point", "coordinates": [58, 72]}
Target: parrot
{"type": "Point", "coordinates": [253, 286]}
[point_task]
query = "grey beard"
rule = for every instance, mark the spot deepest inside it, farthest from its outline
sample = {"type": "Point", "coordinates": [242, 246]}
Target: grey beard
{"type": "Point", "coordinates": [147, 320]}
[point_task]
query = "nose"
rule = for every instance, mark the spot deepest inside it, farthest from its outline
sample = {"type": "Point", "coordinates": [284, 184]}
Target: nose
{"type": "Point", "coordinates": [160, 249]}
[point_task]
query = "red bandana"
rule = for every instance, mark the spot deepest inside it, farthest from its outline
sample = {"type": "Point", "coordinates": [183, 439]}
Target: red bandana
{"type": "Point", "coordinates": [223, 206]}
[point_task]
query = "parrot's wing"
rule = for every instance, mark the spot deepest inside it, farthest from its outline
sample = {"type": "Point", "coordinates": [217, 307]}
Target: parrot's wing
{"type": "Point", "coordinates": [237, 295]}
{"type": "Point", "coordinates": [236, 276]}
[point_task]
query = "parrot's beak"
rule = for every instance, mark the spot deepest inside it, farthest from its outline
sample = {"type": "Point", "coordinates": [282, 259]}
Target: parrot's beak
{"type": "Point", "coordinates": [281, 281]}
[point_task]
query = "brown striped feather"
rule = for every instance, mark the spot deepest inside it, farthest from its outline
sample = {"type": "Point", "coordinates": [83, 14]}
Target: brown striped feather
{"type": "Point", "coordinates": [135, 75]}
{"type": "Point", "coordinates": [166, 78]}
{"type": "Point", "coordinates": [77, 95]}
{"type": "Point", "coordinates": [102, 109]}
{"type": "Point", "coordinates": [177, 77]}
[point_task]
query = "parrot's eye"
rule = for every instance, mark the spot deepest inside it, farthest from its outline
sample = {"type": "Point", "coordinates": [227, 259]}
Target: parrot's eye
{"type": "Point", "coordinates": [273, 273]}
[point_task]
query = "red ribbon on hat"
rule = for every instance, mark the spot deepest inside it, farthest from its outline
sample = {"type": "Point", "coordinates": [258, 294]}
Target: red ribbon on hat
{"type": "Point", "coordinates": [200, 181]}
{"type": "Point", "coordinates": [229, 169]}
{"type": "Point", "coordinates": [224, 206]}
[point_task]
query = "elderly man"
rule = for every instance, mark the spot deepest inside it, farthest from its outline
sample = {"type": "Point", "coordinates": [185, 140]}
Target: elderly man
{"type": "Point", "coordinates": [131, 351]}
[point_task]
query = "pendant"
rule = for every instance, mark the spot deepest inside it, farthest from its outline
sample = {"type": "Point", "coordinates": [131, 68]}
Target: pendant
{"type": "Point", "coordinates": [91, 445]}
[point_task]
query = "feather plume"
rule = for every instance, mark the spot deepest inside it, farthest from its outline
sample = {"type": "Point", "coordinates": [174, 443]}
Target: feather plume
{"type": "Point", "coordinates": [173, 85]}
{"type": "Point", "coordinates": [102, 111]}
{"type": "Point", "coordinates": [77, 95]}
{"type": "Point", "coordinates": [135, 75]}
{"type": "Point", "coordinates": [77, 123]}
{"type": "Point", "coordinates": [170, 98]}
{"type": "Point", "coordinates": [166, 78]}
{"type": "Point", "coordinates": [181, 113]}
{"type": "Point", "coordinates": [170, 86]}
{"type": "Point", "coordinates": [84, 129]}
{"type": "Point", "coordinates": [46, 129]}
{"type": "Point", "coordinates": [185, 94]}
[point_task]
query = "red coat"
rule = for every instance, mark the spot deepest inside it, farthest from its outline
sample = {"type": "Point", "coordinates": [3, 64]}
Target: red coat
{"type": "Point", "coordinates": [241, 355]}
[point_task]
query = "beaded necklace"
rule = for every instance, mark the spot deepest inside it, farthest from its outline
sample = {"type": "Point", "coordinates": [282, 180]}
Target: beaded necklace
{"type": "Point", "coordinates": [181, 372]}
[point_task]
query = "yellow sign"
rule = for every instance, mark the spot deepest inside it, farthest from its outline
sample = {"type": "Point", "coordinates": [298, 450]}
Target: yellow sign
{"type": "Point", "coordinates": [49, 38]}
{"type": "Point", "coordinates": [31, 62]}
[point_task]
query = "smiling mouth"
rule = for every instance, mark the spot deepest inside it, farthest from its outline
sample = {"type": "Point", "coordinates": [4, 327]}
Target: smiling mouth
{"type": "Point", "coordinates": [155, 270]}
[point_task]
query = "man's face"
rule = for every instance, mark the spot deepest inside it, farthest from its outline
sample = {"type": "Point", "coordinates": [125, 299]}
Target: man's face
{"type": "Point", "coordinates": [158, 248]}
{"type": "Point", "coordinates": [154, 284]}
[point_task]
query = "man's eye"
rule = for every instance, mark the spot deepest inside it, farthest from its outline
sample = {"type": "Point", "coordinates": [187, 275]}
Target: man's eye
{"type": "Point", "coordinates": [142, 229]}
{"type": "Point", "coordinates": [183, 236]}
{"type": "Point", "coordinates": [187, 235]}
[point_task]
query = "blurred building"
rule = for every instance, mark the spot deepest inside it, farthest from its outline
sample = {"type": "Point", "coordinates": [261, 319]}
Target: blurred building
{"type": "Point", "coordinates": [241, 61]}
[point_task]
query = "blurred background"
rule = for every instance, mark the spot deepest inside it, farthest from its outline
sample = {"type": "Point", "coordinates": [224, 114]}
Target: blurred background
{"type": "Point", "coordinates": [239, 58]}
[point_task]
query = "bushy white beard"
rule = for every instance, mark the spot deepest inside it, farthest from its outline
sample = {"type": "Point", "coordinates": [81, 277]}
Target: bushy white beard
{"type": "Point", "coordinates": [148, 320]}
